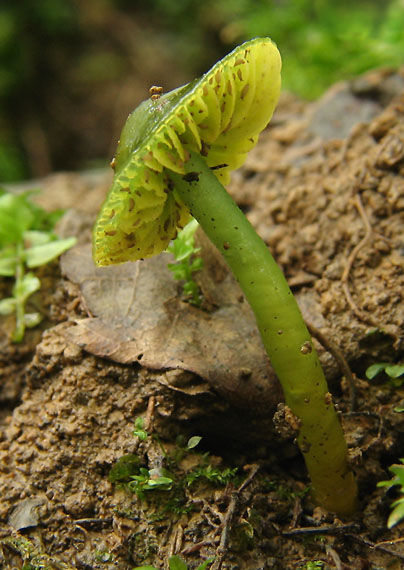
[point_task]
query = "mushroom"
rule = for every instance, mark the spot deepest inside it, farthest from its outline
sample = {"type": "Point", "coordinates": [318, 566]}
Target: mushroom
{"type": "Point", "coordinates": [175, 154]}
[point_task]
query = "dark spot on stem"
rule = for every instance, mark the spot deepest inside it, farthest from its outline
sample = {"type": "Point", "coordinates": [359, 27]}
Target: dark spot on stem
{"type": "Point", "coordinates": [191, 177]}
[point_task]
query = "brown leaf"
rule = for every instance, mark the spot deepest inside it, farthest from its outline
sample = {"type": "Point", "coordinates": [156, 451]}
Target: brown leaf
{"type": "Point", "coordinates": [138, 316]}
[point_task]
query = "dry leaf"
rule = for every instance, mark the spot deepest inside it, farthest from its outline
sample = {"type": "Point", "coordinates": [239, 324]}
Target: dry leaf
{"type": "Point", "coordinates": [138, 316]}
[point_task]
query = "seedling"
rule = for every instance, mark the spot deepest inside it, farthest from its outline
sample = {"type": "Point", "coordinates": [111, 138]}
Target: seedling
{"type": "Point", "coordinates": [397, 513]}
{"type": "Point", "coordinates": [313, 565]}
{"type": "Point", "coordinates": [176, 151]}
{"type": "Point", "coordinates": [394, 371]}
{"type": "Point", "coordinates": [184, 251]}
{"type": "Point", "coordinates": [139, 430]}
{"type": "Point", "coordinates": [212, 474]}
{"type": "Point", "coordinates": [150, 480]}
{"type": "Point", "coordinates": [26, 242]}
{"type": "Point", "coordinates": [176, 563]}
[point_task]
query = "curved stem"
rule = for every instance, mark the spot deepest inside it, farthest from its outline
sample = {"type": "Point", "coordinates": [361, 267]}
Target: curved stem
{"type": "Point", "coordinates": [283, 331]}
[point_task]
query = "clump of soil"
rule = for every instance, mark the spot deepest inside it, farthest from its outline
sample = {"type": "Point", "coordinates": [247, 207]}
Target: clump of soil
{"type": "Point", "coordinates": [325, 189]}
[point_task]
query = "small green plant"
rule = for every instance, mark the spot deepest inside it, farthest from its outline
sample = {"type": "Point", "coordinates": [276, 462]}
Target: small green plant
{"type": "Point", "coordinates": [312, 565]}
{"type": "Point", "coordinates": [176, 563]}
{"type": "Point", "coordinates": [395, 372]}
{"type": "Point", "coordinates": [212, 474]}
{"type": "Point", "coordinates": [397, 513]}
{"type": "Point", "coordinates": [137, 478]}
{"type": "Point", "coordinates": [26, 242]}
{"type": "Point", "coordinates": [150, 480]}
{"type": "Point", "coordinates": [139, 430]}
{"type": "Point", "coordinates": [186, 264]}
{"type": "Point", "coordinates": [129, 471]}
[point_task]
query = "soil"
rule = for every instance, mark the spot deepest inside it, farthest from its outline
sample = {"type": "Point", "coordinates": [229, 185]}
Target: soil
{"type": "Point", "coordinates": [325, 189]}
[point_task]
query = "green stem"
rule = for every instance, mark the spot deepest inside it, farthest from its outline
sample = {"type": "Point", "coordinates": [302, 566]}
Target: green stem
{"type": "Point", "coordinates": [283, 331]}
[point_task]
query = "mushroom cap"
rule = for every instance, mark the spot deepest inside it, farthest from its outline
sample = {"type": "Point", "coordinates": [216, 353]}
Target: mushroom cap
{"type": "Point", "coordinates": [219, 115]}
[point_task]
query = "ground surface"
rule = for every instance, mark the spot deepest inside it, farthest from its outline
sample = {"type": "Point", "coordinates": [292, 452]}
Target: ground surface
{"type": "Point", "coordinates": [325, 189]}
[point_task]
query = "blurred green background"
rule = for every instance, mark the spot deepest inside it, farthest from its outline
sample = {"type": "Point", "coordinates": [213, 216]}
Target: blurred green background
{"type": "Point", "coordinates": [71, 70]}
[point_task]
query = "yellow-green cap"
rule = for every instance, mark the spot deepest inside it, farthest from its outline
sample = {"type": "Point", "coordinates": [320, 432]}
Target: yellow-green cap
{"type": "Point", "coordinates": [219, 115]}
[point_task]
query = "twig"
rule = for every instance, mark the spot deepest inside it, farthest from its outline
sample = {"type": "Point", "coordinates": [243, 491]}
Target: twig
{"type": "Point", "coordinates": [175, 542]}
{"type": "Point", "coordinates": [333, 554]}
{"type": "Point", "coordinates": [351, 259]}
{"type": "Point", "coordinates": [375, 546]}
{"type": "Point", "coordinates": [394, 541]}
{"type": "Point", "coordinates": [148, 423]}
{"type": "Point", "coordinates": [339, 357]}
{"type": "Point", "coordinates": [325, 529]}
{"type": "Point", "coordinates": [228, 518]}
{"type": "Point", "coordinates": [196, 547]}
{"type": "Point", "coordinates": [93, 522]}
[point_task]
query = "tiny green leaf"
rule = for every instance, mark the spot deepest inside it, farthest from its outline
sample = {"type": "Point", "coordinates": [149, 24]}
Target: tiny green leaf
{"type": "Point", "coordinates": [193, 441]}
{"type": "Point", "coordinates": [205, 564]}
{"type": "Point", "coordinates": [8, 263]}
{"type": "Point", "coordinates": [42, 254]}
{"type": "Point", "coordinates": [176, 563]}
{"type": "Point", "coordinates": [15, 218]}
{"type": "Point", "coordinates": [397, 513]}
{"type": "Point", "coordinates": [26, 286]}
{"type": "Point", "coordinates": [32, 319]}
{"type": "Point", "coordinates": [160, 482]}
{"type": "Point", "coordinates": [7, 306]}
{"type": "Point", "coordinates": [375, 369]}
{"type": "Point", "coordinates": [33, 238]}
{"type": "Point", "coordinates": [395, 370]}
{"type": "Point", "coordinates": [139, 431]}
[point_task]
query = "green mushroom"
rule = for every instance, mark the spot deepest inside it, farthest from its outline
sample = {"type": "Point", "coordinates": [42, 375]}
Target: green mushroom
{"type": "Point", "coordinates": [175, 154]}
